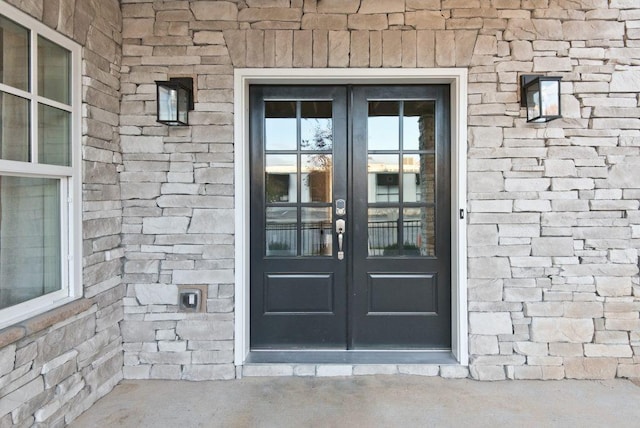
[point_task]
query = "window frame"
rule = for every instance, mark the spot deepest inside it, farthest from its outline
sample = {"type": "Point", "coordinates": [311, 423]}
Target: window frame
{"type": "Point", "coordinates": [69, 177]}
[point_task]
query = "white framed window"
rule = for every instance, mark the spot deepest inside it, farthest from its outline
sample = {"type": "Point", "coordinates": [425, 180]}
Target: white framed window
{"type": "Point", "coordinates": [40, 181]}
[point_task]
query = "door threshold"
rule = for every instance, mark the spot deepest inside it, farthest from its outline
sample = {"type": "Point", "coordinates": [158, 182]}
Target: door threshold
{"type": "Point", "coordinates": [350, 357]}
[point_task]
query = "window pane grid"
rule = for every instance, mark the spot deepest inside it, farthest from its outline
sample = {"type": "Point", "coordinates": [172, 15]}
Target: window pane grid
{"type": "Point", "coordinates": [37, 198]}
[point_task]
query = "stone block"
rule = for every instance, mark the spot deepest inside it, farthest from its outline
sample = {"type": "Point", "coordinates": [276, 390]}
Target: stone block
{"type": "Point", "coordinates": [607, 350]}
{"type": "Point", "coordinates": [156, 294]}
{"type": "Point", "coordinates": [583, 309]}
{"type": "Point", "coordinates": [490, 323]}
{"type": "Point", "coordinates": [559, 246]}
{"type": "Point", "coordinates": [334, 370]}
{"type": "Point", "coordinates": [593, 30]}
{"type": "Point", "coordinates": [491, 373]}
{"type": "Point", "coordinates": [7, 358]}
{"type": "Point", "coordinates": [489, 181]}
{"type": "Point", "coordinates": [137, 331]}
{"type": "Point", "coordinates": [391, 48]}
{"type": "Point", "coordinates": [454, 372]}
{"type": "Point", "coordinates": [531, 348]}
{"type": "Point", "coordinates": [419, 369]}
{"type": "Point", "coordinates": [269, 370]}
{"type": "Point", "coordinates": [339, 46]}
{"type": "Point", "coordinates": [425, 20]}
{"type": "Point", "coordinates": [376, 6]}
{"type": "Point", "coordinates": [214, 10]}
{"type": "Point", "coordinates": [489, 267]}
{"type": "Point", "coordinates": [613, 286]}
{"type": "Point", "coordinates": [574, 330]}
{"type": "Point", "coordinates": [209, 372]}
{"type": "Point", "coordinates": [15, 399]}
{"type": "Point", "coordinates": [374, 369]}
{"type": "Point", "coordinates": [211, 221]}
{"type": "Point", "coordinates": [204, 330]}
{"type": "Point", "coordinates": [483, 345]}
{"type": "Point", "coordinates": [338, 6]}
{"type": "Point", "coordinates": [482, 234]}
{"type": "Point", "coordinates": [629, 371]}
{"type": "Point", "coordinates": [485, 290]}
{"type": "Point", "coordinates": [367, 22]}
{"type": "Point", "coordinates": [590, 368]}
{"type": "Point", "coordinates": [165, 225]}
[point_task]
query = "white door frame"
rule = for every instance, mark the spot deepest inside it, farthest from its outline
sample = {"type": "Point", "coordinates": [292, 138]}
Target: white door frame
{"type": "Point", "coordinates": [455, 77]}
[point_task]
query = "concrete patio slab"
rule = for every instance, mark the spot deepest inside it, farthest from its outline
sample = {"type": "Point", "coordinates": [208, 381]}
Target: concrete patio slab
{"type": "Point", "coordinates": [371, 401]}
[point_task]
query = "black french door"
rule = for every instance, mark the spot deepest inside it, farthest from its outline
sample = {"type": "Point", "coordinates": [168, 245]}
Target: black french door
{"type": "Point", "coordinates": [350, 218]}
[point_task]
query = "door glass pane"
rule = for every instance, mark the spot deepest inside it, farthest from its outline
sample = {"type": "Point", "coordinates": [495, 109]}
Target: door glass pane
{"type": "Point", "coordinates": [281, 174]}
{"type": "Point", "coordinates": [316, 232]}
{"type": "Point", "coordinates": [30, 239]}
{"type": "Point", "coordinates": [383, 231]}
{"type": "Point", "coordinates": [54, 71]}
{"type": "Point", "coordinates": [383, 125]}
{"type": "Point", "coordinates": [419, 181]}
{"type": "Point", "coordinates": [280, 125]}
{"type": "Point", "coordinates": [316, 125]}
{"type": "Point", "coordinates": [282, 231]}
{"type": "Point", "coordinates": [14, 54]}
{"type": "Point", "coordinates": [14, 131]}
{"type": "Point", "coordinates": [317, 178]}
{"type": "Point", "coordinates": [384, 178]}
{"type": "Point", "coordinates": [54, 136]}
{"type": "Point", "coordinates": [419, 125]}
{"type": "Point", "coordinates": [419, 231]}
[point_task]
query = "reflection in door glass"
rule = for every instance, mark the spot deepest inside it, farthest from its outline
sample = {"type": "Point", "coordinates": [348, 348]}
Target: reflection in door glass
{"type": "Point", "coordinates": [419, 180]}
{"type": "Point", "coordinates": [316, 178]}
{"type": "Point", "coordinates": [316, 125]}
{"type": "Point", "coordinates": [280, 125]}
{"type": "Point", "coordinates": [281, 231]}
{"type": "Point", "coordinates": [419, 231]}
{"type": "Point", "coordinates": [418, 125]}
{"type": "Point", "coordinates": [384, 178]}
{"type": "Point", "coordinates": [383, 231]}
{"type": "Point", "coordinates": [383, 125]}
{"type": "Point", "coordinates": [316, 232]}
{"type": "Point", "coordinates": [281, 174]}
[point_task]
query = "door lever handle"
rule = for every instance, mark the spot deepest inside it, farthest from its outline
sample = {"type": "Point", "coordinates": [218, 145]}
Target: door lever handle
{"type": "Point", "coordinates": [340, 228]}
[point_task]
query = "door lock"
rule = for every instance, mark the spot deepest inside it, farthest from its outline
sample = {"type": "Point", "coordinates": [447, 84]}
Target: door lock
{"type": "Point", "coordinates": [340, 229]}
{"type": "Point", "coordinates": [341, 207]}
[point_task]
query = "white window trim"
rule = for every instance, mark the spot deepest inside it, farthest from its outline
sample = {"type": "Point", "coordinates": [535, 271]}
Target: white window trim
{"type": "Point", "coordinates": [455, 77]}
{"type": "Point", "coordinates": [70, 177]}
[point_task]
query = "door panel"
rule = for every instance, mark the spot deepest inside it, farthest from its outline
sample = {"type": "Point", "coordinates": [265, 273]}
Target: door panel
{"type": "Point", "coordinates": [400, 295]}
{"type": "Point", "coordinates": [390, 287]}
{"type": "Point", "coordinates": [298, 167]}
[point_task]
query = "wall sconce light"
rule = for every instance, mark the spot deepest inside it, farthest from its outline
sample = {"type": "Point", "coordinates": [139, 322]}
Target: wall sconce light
{"type": "Point", "coordinates": [174, 100]}
{"type": "Point", "coordinates": [541, 96]}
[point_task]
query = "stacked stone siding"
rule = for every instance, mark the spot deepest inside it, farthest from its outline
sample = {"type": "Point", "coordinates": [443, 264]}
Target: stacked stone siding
{"type": "Point", "coordinates": [553, 225]}
{"type": "Point", "coordinates": [55, 366]}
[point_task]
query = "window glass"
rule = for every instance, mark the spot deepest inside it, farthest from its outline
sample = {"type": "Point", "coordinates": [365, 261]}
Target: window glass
{"type": "Point", "coordinates": [54, 136]}
{"type": "Point", "coordinates": [14, 128]}
{"type": "Point", "coordinates": [14, 54]}
{"type": "Point", "coordinates": [30, 249]}
{"type": "Point", "coordinates": [54, 71]}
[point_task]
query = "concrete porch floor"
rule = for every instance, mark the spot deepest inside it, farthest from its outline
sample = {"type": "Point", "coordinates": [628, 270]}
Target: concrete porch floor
{"type": "Point", "coordinates": [367, 401]}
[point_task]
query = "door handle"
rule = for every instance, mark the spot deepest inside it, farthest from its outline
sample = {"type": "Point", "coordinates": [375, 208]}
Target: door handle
{"type": "Point", "coordinates": [340, 229]}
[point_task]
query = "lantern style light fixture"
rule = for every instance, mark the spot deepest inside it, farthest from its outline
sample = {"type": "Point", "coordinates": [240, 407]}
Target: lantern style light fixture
{"type": "Point", "coordinates": [174, 100]}
{"type": "Point", "coordinates": [541, 96]}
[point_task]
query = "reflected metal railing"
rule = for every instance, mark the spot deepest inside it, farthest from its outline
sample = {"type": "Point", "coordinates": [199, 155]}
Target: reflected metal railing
{"type": "Point", "coordinates": [316, 238]}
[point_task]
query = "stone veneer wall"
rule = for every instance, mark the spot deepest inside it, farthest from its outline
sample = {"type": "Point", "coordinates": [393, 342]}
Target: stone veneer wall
{"type": "Point", "coordinates": [553, 225]}
{"type": "Point", "coordinates": [55, 366]}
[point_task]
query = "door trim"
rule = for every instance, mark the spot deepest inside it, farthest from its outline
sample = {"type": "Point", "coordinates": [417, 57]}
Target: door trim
{"type": "Point", "coordinates": [455, 77]}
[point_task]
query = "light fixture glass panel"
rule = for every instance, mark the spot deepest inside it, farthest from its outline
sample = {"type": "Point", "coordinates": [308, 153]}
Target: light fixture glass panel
{"type": "Point", "coordinates": [167, 103]}
{"type": "Point", "coordinates": [533, 101]}
{"type": "Point", "coordinates": [183, 105]}
{"type": "Point", "coordinates": [550, 97]}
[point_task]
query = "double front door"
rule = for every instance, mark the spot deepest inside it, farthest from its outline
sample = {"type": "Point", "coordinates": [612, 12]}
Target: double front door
{"type": "Point", "coordinates": [350, 218]}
